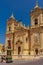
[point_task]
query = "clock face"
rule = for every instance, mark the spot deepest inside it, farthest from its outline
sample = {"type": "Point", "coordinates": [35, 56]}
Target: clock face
{"type": "Point", "coordinates": [36, 38]}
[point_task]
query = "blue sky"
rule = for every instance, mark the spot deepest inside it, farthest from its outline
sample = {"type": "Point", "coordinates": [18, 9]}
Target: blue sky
{"type": "Point", "coordinates": [21, 10]}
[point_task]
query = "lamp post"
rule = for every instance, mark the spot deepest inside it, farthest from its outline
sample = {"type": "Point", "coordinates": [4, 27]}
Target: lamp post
{"type": "Point", "coordinates": [9, 53]}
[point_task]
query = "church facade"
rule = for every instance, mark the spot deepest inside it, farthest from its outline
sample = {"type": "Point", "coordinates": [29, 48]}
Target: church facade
{"type": "Point", "coordinates": [24, 40]}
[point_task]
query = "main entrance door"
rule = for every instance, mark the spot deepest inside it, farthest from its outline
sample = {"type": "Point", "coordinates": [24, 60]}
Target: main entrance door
{"type": "Point", "coordinates": [19, 50]}
{"type": "Point", "coordinates": [36, 51]}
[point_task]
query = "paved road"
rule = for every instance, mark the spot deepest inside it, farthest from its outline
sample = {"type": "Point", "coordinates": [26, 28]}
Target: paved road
{"type": "Point", "coordinates": [25, 62]}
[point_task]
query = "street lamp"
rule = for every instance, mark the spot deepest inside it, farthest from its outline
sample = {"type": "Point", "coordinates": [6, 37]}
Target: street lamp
{"type": "Point", "coordinates": [9, 53]}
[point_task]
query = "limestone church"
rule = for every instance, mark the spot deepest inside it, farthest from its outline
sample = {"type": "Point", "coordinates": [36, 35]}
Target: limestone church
{"type": "Point", "coordinates": [24, 40]}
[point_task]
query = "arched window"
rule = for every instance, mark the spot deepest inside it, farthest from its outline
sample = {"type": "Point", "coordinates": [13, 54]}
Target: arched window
{"type": "Point", "coordinates": [9, 28]}
{"type": "Point", "coordinates": [36, 21]}
{"type": "Point", "coordinates": [9, 43]}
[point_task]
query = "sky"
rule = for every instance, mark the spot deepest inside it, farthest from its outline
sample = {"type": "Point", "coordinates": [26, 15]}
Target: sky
{"type": "Point", "coordinates": [21, 10]}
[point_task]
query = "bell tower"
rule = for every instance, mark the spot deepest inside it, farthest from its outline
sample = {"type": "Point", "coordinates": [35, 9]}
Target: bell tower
{"type": "Point", "coordinates": [36, 29]}
{"type": "Point", "coordinates": [36, 16]}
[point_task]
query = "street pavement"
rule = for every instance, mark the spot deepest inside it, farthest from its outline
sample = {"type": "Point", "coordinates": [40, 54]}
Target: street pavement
{"type": "Point", "coordinates": [25, 62]}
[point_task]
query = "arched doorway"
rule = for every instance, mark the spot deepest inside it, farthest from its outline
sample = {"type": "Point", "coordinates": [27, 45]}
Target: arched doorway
{"type": "Point", "coordinates": [36, 51]}
{"type": "Point", "coordinates": [19, 50]}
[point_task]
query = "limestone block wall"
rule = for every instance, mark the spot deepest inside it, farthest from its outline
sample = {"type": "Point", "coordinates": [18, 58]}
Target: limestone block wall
{"type": "Point", "coordinates": [26, 45]}
{"type": "Point", "coordinates": [12, 27]}
{"type": "Point", "coordinates": [18, 41]}
{"type": "Point", "coordinates": [6, 41]}
{"type": "Point", "coordinates": [41, 40]}
{"type": "Point", "coordinates": [32, 43]}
